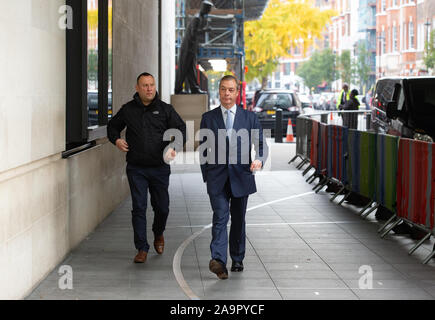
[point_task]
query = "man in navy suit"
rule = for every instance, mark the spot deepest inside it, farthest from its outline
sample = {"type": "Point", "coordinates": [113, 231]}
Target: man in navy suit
{"type": "Point", "coordinates": [227, 135]}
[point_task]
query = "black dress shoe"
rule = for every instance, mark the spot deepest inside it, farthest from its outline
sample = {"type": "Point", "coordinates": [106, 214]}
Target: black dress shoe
{"type": "Point", "coordinates": [237, 266]}
{"type": "Point", "coordinates": [219, 269]}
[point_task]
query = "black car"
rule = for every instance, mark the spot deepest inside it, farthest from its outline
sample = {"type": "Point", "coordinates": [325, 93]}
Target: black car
{"type": "Point", "coordinates": [405, 107]}
{"type": "Point", "coordinates": [93, 107]}
{"type": "Point", "coordinates": [271, 100]}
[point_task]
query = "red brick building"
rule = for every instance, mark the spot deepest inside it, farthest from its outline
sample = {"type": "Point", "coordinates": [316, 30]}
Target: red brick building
{"type": "Point", "coordinates": [401, 32]}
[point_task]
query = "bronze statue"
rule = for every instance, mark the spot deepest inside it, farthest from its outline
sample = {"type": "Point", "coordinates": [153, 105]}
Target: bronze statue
{"type": "Point", "coordinates": [187, 61]}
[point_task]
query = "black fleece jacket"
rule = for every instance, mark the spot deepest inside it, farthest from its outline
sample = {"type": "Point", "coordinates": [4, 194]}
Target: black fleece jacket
{"type": "Point", "coordinates": [146, 126]}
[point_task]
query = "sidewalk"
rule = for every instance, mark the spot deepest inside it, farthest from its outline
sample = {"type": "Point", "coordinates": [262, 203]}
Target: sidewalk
{"type": "Point", "coordinates": [302, 248]}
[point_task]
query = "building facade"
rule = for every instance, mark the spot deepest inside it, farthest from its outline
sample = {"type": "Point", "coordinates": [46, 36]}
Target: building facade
{"type": "Point", "coordinates": [424, 26]}
{"type": "Point", "coordinates": [367, 31]}
{"type": "Point", "coordinates": [403, 28]}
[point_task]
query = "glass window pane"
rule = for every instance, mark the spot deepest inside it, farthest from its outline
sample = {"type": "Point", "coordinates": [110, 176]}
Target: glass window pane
{"type": "Point", "coordinates": [93, 62]}
{"type": "Point", "coordinates": [109, 111]}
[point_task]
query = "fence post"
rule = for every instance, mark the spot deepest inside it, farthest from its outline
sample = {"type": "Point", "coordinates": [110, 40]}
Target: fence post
{"type": "Point", "coordinates": [368, 121]}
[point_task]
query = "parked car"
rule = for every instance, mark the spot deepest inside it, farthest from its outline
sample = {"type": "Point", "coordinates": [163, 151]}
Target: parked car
{"type": "Point", "coordinates": [316, 101]}
{"type": "Point", "coordinates": [271, 100]}
{"type": "Point", "coordinates": [93, 107]}
{"type": "Point", "coordinates": [329, 101]}
{"type": "Point", "coordinates": [306, 101]}
{"type": "Point", "coordinates": [405, 107]}
{"type": "Point", "coordinates": [249, 99]}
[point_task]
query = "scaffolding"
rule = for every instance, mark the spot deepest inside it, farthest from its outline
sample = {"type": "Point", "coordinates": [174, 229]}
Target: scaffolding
{"type": "Point", "coordinates": [223, 37]}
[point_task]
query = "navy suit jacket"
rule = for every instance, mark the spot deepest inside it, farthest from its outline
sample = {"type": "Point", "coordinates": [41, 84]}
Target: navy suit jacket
{"type": "Point", "coordinates": [231, 159]}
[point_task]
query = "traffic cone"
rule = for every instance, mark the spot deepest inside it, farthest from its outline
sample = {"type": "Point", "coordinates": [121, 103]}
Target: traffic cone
{"type": "Point", "coordinates": [290, 137]}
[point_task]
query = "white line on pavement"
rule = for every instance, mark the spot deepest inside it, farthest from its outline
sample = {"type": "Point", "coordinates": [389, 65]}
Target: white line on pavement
{"type": "Point", "coordinates": [176, 265]}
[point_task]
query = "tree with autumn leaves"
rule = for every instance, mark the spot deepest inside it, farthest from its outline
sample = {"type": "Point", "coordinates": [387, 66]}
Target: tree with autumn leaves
{"type": "Point", "coordinates": [283, 24]}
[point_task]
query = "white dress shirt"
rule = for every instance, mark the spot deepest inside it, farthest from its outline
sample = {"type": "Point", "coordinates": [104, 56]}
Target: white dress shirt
{"type": "Point", "coordinates": [233, 110]}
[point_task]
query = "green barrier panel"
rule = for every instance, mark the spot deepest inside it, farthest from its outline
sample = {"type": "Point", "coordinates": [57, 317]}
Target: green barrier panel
{"type": "Point", "coordinates": [386, 170]}
{"type": "Point", "coordinates": [361, 162]}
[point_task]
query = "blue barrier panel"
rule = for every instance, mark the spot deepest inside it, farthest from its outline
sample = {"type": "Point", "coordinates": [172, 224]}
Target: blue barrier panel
{"type": "Point", "coordinates": [337, 149]}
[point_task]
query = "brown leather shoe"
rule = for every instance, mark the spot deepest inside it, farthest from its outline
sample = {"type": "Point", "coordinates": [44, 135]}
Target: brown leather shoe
{"type": "Point", "coordinates": [159, 244]}
{"type": "Point", "coordinates": [219, 269]}
{"type": "Point", "coordinates": [141, 257]}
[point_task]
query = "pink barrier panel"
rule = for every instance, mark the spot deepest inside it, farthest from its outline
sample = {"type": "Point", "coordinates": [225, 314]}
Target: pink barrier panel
{"type": "Point", "coordinates": [416, 182]}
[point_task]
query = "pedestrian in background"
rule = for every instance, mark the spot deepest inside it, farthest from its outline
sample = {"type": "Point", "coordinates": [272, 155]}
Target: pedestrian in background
{"type": "Point", "coordinates": [350, 120]}
{"type": "Point", "coordinates": [343, 97]}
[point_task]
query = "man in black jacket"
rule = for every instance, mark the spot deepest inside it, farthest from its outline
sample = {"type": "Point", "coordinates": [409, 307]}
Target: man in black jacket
{"type": "Point", "coordinates": [147, 118]}
{"type": "Point", "coordinates": [350, 120]}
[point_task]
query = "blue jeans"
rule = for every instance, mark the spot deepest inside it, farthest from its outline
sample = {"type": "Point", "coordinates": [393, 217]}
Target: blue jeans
{"type": "Point", "coordinates": [223, 204]}
{"type": "Point", "coordinates": [156, 180]}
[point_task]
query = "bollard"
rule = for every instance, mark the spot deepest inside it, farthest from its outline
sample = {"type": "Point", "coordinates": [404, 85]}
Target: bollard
{"type": "Point", "coordinates": [368, 121]}
{"type": "Point", "coordinates": [278, 126]}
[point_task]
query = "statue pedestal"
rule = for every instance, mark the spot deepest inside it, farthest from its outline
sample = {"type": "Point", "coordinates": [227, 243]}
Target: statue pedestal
{"type": "Point", "coordinates": [190, 107]}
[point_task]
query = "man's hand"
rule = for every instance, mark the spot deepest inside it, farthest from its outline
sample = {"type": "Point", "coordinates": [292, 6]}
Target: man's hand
{"type": "Point", "coordinates": [122, 145]}
{"type": "Point", "coordinates": [170, 155]}
{"type": "Point", "coordinates": [256, 165]}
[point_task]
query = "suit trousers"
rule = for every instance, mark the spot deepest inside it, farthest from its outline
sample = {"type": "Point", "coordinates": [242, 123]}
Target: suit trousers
{"type": "Point", "coordinates": [224, 204]}
{"type": "Point", "coordinates": [156, 180]}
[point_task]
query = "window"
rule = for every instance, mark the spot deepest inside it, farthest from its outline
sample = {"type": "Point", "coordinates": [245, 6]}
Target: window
{"type": "Point", "coordinates": [297, 50]}
{"type": "Point", "coordinates": [277, 75]}
{"type": "Point", "coordinates": [404, 43]}
{"type": "Point", "coordinates": [420, 37]}
{"type": "Point", "coordinates": [390, 31]}
{"type": "Point", "coordinates": [287, 69]}
{"type": "Point", "coordinates": [411, 35]}
{"type": "Point", "coordinates": [92, 59]}
{"type": "Point", "coordinates": [89, 71]}
{"type": "Point", "coordinates": [383, 5]}
{"type": "Point", "coordinates": [271, 100]}
{"type": "Point", "coordinates": [394, 38]}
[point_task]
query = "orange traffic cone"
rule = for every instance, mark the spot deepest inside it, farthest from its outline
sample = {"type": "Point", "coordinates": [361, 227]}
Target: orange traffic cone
{"type": "Point", "coordinates": [290, 137]}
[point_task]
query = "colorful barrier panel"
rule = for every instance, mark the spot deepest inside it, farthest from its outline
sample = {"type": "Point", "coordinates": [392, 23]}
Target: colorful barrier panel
{"type": "Point", "coordinates": [386, 171]}
{"type": "Point", "coordinates": [361, 163]}
{"type": "Point", "coordinates": [315, 147]}
{"type": "Point", "coordinates": [397, 173]}
{"type": "Point", "coordinates": [416, 182]}
{"type": "Point", "coordinates": [323, 148]}
{"type": "Point", "coordinates": [307, 150]}
{"type": "Point", "coordinates": [300, 134]}
{"type": "Point", "coordinates": [337, 149]}
{"type": "Point", "coordinates": [303, 140]}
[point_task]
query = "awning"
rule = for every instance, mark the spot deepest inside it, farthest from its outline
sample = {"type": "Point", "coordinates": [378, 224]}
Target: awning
{"type": "Point", "coordinates": [323, 85]}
